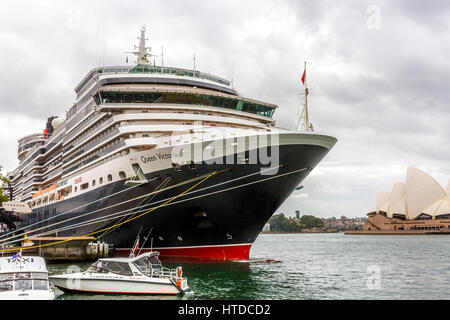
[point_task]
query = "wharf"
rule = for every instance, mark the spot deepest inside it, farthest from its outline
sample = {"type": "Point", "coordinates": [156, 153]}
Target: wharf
{"type": "Point", "coordinates": [395, 232]}
{"type": "Point", "coordinates": [64, 249]}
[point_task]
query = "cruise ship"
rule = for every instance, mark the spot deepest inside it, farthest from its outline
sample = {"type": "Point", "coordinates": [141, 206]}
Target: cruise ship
{"type": "Point", "coordinates": [177, 156]}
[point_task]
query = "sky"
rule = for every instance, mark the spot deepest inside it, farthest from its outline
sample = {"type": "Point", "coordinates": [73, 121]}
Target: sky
{"type": "Point", "coordinates": [377, 72]}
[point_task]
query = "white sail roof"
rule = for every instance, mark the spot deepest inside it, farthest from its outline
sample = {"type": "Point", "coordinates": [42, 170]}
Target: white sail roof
{"type": "Point", "coordinates": [397, 200]}
{"type": "Point", "coordinates": [433, 208]}
{"type": "Point", "coordinates": [383, 201]}
{"type": "Point", "coordinates": [422, 191]}
{"type": "Point", "coordinates": [443, 206]}
{"type": "Point", "coordinates": [447, 191]}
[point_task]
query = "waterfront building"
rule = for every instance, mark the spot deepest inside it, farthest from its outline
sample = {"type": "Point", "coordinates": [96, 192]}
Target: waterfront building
{"type": "Point", "coordinates": [420, 204]}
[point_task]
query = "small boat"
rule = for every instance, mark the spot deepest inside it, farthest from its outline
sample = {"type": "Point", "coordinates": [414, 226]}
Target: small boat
{"type": "Point", "coordinates": [141, 275]}
{"type": "Point", "coordinates": [24, 278]}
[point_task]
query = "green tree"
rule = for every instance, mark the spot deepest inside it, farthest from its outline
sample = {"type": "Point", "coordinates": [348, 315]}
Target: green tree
{"type": "Point", "coordinates": [311, 222]}
{"type": "Point", "coordinates": [279, 223]}
{"type": "Point", "coordinates": [276, 222]}
{"type": "Point", "coordinates": [4, 196]}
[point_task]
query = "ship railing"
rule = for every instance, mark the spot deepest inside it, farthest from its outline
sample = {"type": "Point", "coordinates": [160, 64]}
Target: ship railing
{"type": "Point", "coordinates": [162, 272]}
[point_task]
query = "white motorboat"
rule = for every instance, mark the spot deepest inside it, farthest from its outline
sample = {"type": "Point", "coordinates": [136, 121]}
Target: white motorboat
{"type": "Point", "coordinates": [142, 275]}
{"type": "Point", "coordinates": [24, 278]}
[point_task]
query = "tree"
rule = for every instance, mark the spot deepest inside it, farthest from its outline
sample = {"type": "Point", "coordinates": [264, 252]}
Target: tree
{"type": "Point", "coordinates": [311, 222]}
{"type": "Point", "coordinates": [4, 196]}
{"type": "Point", "coordinates": [279, 223]}
{"type": "Point", "coordinates": [276, 221]}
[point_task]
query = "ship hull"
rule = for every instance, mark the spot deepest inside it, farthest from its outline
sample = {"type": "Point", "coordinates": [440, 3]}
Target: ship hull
{"type": "Point", "coordinates": [219, 218]}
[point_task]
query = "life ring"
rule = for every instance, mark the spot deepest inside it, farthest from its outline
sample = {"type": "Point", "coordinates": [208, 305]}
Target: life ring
{"type": "Point", "coordinates": [180, 272]}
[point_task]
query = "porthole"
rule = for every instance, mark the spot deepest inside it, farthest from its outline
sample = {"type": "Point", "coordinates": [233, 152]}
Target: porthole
{"type": "Point", "coordinates": [180, 238]}
{"type": "Point", "coordinates": [161, 238]}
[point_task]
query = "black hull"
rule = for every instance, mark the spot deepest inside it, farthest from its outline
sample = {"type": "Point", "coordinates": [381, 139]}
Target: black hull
{"type": "Point", "coordinates": [216, 225]}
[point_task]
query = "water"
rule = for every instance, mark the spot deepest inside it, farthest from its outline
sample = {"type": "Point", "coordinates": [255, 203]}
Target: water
{"type": "Point", "coordinates": [321, 266]}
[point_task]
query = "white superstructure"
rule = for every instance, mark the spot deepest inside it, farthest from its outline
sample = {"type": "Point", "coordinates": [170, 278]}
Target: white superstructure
{"type": "Point", "coordinates": [119, 115]}
{"type": "Point", "coordinates": [24, 278]}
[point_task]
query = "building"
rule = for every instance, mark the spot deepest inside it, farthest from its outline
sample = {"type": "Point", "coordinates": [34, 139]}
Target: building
{"type": "Point", "coordinates": [418, 205]}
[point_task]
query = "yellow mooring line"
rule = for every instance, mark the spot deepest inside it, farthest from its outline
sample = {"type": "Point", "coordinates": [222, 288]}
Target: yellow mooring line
{"type": "Point", "coordinates": [116, 225]}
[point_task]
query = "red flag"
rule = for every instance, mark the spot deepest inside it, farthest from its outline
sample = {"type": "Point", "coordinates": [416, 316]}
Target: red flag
{"type": "Point", "coordinates": [304, 76]}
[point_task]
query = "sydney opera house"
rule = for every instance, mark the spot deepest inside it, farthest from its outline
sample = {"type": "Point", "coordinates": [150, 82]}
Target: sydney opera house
{"type": "Point", "coordinates": [418, 205]}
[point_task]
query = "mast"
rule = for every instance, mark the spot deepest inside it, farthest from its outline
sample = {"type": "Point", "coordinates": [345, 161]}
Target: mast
{"type": "Point", "coordinates": [194, 59]}
{"type": "Point", "coordinates": [303, 122]}
{"type": "Point", "coordinates": [143, 52]}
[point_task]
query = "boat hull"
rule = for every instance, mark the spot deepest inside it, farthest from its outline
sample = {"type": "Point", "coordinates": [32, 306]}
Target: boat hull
{"type": "Point", "coordinates": [28, 295]}
{"type": "Point", "coordinates": [71, 284]}
{"type": "Point", "coordinates": [218, 219]}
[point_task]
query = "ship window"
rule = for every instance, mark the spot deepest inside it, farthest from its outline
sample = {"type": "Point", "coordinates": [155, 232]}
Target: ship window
{"type": "Point", "coordinates": [119, 268]}
{"type": "Point", "coordinates": [93, 183]}
{"type": "Point", "coordinates": [6, 285]}
{"type": "Point", "coordinates": [122, 175]}
{"type": "Point", "coordinates": [84, 186]}
{"type": "Point", "coordinates": [100, 180]}
{"type": "Point", "coordinates": [40, 284]}
{"type": "Point", "coordinates": [191, 99]}
{"type": "Point", "coordinates": [76, 188]}
{"type": "Point", "coordinates": [23, 281]}
{"type": "Point", "coordinates": [109, 177]}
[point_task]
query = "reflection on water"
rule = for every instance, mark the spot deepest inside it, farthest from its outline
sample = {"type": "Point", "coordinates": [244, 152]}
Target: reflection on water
{"type": "Point", "coordinates": [319, 266]}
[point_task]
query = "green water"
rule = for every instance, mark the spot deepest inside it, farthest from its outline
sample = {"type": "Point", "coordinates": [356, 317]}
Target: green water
{"type": "Point", "coordinates": [320, 266]}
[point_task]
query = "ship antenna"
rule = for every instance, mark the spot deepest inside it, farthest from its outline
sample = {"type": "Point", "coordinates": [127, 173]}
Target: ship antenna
{"type": "Point", "coordinates": [143, 52]}
{"type": "Point", "coordinates": [194, 61]}
{"type": "Point", "coordinates": [162, 59]}
{"type": "Point", "coordinates": [145, 240]}
{"type": "Point", "coordinates": [232, 70]}
{"type": "Point", "coordinates": [136, 244]}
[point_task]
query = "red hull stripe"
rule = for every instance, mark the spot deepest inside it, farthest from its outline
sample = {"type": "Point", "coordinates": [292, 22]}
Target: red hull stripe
{"type": "Point", "coordinates": [231, 252]}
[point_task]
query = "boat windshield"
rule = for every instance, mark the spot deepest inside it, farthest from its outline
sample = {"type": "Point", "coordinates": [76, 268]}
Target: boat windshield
{"type": "Point", "coordinates": [23, 281]}
{"type": "Point", "coordinates": [116, 267]}
{"type": "Point", "coordinates": [149, 266]}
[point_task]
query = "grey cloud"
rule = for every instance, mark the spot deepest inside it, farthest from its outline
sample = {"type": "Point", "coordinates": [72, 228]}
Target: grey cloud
{"type": "Point", "coordinates": [383, 93]}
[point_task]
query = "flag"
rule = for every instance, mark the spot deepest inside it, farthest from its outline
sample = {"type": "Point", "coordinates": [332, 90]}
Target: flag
{"type": "Point", "coordinates": [304, 76]}
{"type": "Point", "coordinates": [17, 256]}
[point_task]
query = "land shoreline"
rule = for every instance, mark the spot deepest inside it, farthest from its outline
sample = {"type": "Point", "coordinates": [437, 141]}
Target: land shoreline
{"type": "Point", "coordinates": [395, 232]}
{"type": "Point", "coordinates": [302, 232]}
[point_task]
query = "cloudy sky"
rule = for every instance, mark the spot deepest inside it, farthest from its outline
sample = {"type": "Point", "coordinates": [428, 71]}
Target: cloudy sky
{"type": "Point", "coordinates": [378, 74]}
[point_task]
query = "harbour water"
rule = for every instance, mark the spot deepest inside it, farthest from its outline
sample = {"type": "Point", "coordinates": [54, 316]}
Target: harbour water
{"type": "Point", "coordinates": [320, 266]}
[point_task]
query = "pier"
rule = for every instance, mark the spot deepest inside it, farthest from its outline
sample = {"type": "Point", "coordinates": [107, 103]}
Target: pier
{"type": "Point", "coordinates": [64, 249]}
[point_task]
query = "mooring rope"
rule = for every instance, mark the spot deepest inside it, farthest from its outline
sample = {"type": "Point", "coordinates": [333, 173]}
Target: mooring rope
{"type": "Point", "coordinates": [109, 217]}
{"type": "Point", "coordinates": [114, 215]}
{"type": "Point", "coordinates": [66, 212]}
{"type": "Point", "coordinates": [145, 201]}
{"type": "Point", "coordinates": [95, 211]}
{"type": "Point", "coordinates": [119, 224]}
